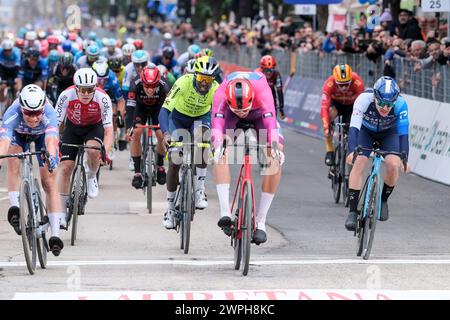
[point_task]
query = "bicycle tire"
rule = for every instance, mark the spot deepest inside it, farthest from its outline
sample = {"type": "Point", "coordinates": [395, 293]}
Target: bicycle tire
{"type": "Point", "coordinates": [149, 177]}
{"type": "Point", "coordinates": [237, 243]}
{"type": "Point", "coordinates": [41, 241]}
{"type": "Point", "coordinates": [247, 227]}
{"type": "Point", "coordinates": [336, 180]}
{"type": "Point", "coordinates": [187, 210]}
{"type": "Point", "coordinates": [372, 217]}
{"type": "Point", "coordinates": [76, 191]}
{"type": "Point", "coordinates": [28, 231]}
{"type": "Point", "coordinates": [359, 232]}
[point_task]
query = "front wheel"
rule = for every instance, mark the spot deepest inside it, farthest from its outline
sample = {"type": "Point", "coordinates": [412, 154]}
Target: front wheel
{"type": "Point", "coordinates": [247, 226]}
{"type": "Point", "coordinates": [27, 226]}
{"type": "Point", "coordinates": [148, 176]}
{"type": "Point", "coordinates": [41, 241]}
{"type": "Point", "coordinates": [372, 217]}
{"type": "Point", "coordinates": [336, 180]}
{"type": "Point", "coordinates": [187, 210]}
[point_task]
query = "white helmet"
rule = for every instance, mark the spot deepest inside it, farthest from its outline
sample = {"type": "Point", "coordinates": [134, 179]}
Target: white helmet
{"type": "Point", "coordinates": [31, 36]}
{"type": "Point", "coordinates": [167, 36]}
{"type": "Point", "coordinates": [7, 44]}
{"type": "Point", "coordinates": [32, 98]}
{"type": "Point", "coordinates": [101, 68]}
{"type": "Point", "coordinates": [128, 49]}
{"type": "Point", "coordinates": [190, 66]}
{"type": "Point", "coordinates": [85, 77]}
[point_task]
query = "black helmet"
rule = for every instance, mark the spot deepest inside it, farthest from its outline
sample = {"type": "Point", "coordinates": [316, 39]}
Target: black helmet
{"type": "Point", "coordinates": [32, 52]}
{"type": "Point", "coordinates": [168, 52]}
{"type": "Point", "coordinates": [66, 59]}
{"type": "Point", "coordinates": [115, 62]}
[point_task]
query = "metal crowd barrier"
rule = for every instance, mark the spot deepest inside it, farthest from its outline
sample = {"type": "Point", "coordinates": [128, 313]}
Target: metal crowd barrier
{"type": "Point", "coordinates": [315, 65]}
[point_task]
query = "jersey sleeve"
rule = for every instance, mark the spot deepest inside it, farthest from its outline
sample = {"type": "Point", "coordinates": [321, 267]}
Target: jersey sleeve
{"type": "Point", "coordinates": [402, 116]}
{"type": "Point", "coordinates": [266, 103]}
{"type": "Point", "coordinates": [117, 92]}
{"type": "Point", "coordinates": [131, 95]}
{"type": "Point", "coordinates": [326, 102]}
{"type": "Point", "coordinates": [61, 107]}
{"type": "Point", "coordinates": [359, 84]}
{"type": "Point", "coordinates": [51, 129]}
{"type": "Point", "coordinates": [106, 110]}
{"type": "Point", "coordinates": [218, 115]}
{"type": "Point", "coordinates": [44, 72]}
{"type": "Point", "coordinates": [11, 119]}
{"type": "Point", "coordinates": [175, 95]}
{"type": "Point", "coordinates": [360, 106]}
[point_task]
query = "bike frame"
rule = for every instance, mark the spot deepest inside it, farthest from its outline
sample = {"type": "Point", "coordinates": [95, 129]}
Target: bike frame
{"type": "Point", "coordinates": [376, 164]}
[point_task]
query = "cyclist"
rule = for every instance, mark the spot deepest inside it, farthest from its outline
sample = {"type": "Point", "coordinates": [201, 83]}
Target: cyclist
{"type": "Point", "coordinates": [52, 59]}
{"type": "Point", "coordinates": [182, 60]}
{"type": "Point", "coordinates": [339, 93]}
{"type": "Point", "coordinates": [167, 75]}
{"type": "Point", "coordinates": [92, 55]}
{"type": "Point", "coordinates": [208, 52]}
{"type": "Point", "coordinates": [31, 118]}
{"type": "Point", "coordinates": [245, 96]}
{"type": "Point", "coordinates": [110, 49]}
{"type": "Point", "coordinates": [54, 44]}
{"type": "Point", "coordinates": [167, 42]}
{"type": "Point", "coordinates": [9, 65]}
{"type": "Point", "coordinates": [34, 70]}
{"type": "Point", "coordinates": [380, 114]}
{"type": "Point", "coordinates": [267, 66]}
{"type": "Point", "coordinates": [61, 76]}
{"type": "Point", "coordinates": [138, 44]}
{"type": "Point", "coordinates": [188, 107]}
{"type": "Point", "coordinates": [86, 112]}
{"type": "Point", "coordinates": [147, 96]}
{"type": "Point", "coordinates": [107, 80]}
{"type": "Point", "coordinates": [127, 51]}
{"type": "Point", "coordinates": [166, 59]}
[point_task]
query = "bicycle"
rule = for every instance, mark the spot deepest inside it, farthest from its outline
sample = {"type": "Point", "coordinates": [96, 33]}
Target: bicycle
{"type": "Point", "coordinates": [339, 171]}
{"type": "Point", "coordinates": [244, 224]}
{"type": "Point", "coordinates": [369, 200]}
{"type": "Point", "coordinates": [148, 160]}
{"type": "Point", "coordinates": [78, 188]}
{"type": "Point", "coordinates": [33, 213]}
{"type": "Point", "coordinates": [185, 198]}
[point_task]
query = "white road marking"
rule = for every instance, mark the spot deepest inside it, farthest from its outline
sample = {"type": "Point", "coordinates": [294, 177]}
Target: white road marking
{"type": "Point", "coordinates": [227, 262]}
{"type": "Point", "coordinates": [4, 198]}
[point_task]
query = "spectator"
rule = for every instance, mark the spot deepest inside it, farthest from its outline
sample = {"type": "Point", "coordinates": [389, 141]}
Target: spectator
{"type": "Point", "coordinates": [434, 51]}
{"type": "Point", "coordinates": [333, 42]}
{"type": "Point", "coordinates": [408, 27]}
{"type": "Point", "coordinates": [386, 21]}
{"type": "Point", "coordinates": [418, 50]}
{"type": "Point", "coordinates": [444, 57]}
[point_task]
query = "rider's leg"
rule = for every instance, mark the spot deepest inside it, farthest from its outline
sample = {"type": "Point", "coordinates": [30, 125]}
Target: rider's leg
{"type": "Point", "coordinates": [55, 214]}
{"type": "Point", "coordinates": [201, 134]}
{"type": "Point", "coordinates": [222, 179]}
{"type": "Point", "coordinates": [329, 158]}
{"type": "Point", "coordinates": [136, 149]}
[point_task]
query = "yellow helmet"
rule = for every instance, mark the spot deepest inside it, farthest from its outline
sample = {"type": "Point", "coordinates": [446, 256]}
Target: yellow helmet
{"type": "Point", "coordinates": [206, 65]}
{"type": "Point", "coordinates": [342, 73]}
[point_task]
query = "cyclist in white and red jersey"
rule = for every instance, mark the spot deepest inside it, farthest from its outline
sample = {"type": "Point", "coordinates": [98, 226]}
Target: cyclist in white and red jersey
{"type": "Point", "coordinates": [86, 112]}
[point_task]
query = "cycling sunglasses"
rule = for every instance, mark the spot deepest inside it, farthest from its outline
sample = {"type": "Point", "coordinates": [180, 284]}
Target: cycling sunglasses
{"type": "Point", "coordinates": [382, 104]}
{"type": "Point", "coordinates": [86, 90]}
{"type": "Point", "coordinates": [151, 87]}
{"type": "Point", "coordinates": [201, 77]}
{"type": "Point", "coordinates": [30, 113]}
{"type": "Point", "coordinates": [268, 70]}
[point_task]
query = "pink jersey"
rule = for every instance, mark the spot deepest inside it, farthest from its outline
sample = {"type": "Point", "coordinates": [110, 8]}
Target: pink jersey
{"type": "Point", "coordinates": [98, 110]}
{"type": "Point", "coordinates": [262, 113]}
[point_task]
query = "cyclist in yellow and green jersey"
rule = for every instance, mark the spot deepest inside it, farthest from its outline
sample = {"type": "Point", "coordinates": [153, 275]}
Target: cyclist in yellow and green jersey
{"type": "Point", "coordinates": [186, 112]}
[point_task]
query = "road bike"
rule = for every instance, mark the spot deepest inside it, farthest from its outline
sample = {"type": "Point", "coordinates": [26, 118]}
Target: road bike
{"type": "Point", "coordinates": [78, 188]}
{"type": "Point", "coordinates": [34, 221]}
{"type": "Point", "coordinates": [369, 202]}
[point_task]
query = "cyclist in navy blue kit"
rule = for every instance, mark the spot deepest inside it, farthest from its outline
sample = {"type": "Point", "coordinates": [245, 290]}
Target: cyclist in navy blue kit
{"type": "Point", "coordinates": [379, 114]}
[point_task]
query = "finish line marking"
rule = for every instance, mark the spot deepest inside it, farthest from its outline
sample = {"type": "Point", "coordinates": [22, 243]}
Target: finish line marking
{"type": "Point", "coordinates": [227, 262]}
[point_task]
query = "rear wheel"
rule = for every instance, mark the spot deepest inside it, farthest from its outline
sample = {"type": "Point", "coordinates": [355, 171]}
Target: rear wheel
{"type": "Point", "coordinates": [41, 241]}
{"type": "Point", "coordinates": [27, 227]}
{"type": "Point", "coordinates": [148, 176]}
{"type": "Point", "coordinates": [77, 201]}
{"type": "Point", "coordinates": [247, 226]}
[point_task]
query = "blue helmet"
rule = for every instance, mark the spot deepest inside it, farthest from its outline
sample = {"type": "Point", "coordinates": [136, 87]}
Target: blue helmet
{"type": "Point", "coordinates": [92, 36]}
{"type": "Point", "coordinates": [193, 49]}
{"type": "Point", "coordinates": [53, 56]}
{"type": "Point", "coordinates": [67, 46]}
{"type": "Point", "coordinates": [386, 90]}
{"type": "Point", "coordinates": [93, 50]}
{"type": "Point", "coordinates": [139, 56]}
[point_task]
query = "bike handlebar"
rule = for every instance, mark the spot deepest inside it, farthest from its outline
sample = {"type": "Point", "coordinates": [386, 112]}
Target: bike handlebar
{"type": "Point", "coordinates": [22, 155]}
{"type": "Point", "coordinates": [381, 153]}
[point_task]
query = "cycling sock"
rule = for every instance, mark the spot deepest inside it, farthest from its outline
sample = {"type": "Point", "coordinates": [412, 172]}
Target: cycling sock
{"type": "Point", "coordinates": [329, 143]}
{"type": "Point", "coordinates": [171, 200]}
{"type": "Point", "coordinates": [14, 198]}
{"type": "Point", "coordinates": [223, 191]}
{"type": "Point", "coordinates": [264, 205]}
{"type": "Point", "coordinates": [387, 190]}
{"type": "Point", "coordinates": [137, 164]}
{"type": "Point", "coordinates": [54, 223]}
{"type": "Point", "coordinates": [160, 161]}
{"type": "Point", "coordinates": [353, 196]}
{"type": "Point", "coordinates": [64, 198]}
{"type": "Point", "coordinates": [201, 177]}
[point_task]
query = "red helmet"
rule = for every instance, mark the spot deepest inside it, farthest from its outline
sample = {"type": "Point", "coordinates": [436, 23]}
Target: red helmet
{"type": "Point", "coordinates": [267, 62]}
{"type": "Point", "coordinates": [239, 93]}
{"type": "Point", "coordinates": [138, 44]}
{"type": "Point", "coordinates": [150, 77]}
{"type": "Point", "coordinates": [72, 36]}
{"type": "Point", "coordinates": [20, 43]}
{"type": "Point", "coordinates": [53, 40]}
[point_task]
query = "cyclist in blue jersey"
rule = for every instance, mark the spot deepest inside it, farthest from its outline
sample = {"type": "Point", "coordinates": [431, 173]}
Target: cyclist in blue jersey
{"type": "Point", "coordinates": [31, 118]}
{"type": "Point", "coordinates": [379, 114]}
{"type": "Point", "coordinates": [9, 63]}
{"type": "Point", "coordinates": [34, 70]}
{"type": "Point", "coordinates": [167, 59]}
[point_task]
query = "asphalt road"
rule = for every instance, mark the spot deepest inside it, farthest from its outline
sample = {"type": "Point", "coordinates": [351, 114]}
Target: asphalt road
{"type": "Point", "coordinates": [124, 252]}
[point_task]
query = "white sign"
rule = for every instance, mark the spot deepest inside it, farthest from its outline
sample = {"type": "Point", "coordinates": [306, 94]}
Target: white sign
{"type": "Point", "coordinates": [436, 5]}
{"type": "Point", "coordinates": [305, 9]}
